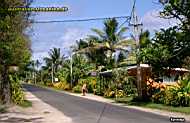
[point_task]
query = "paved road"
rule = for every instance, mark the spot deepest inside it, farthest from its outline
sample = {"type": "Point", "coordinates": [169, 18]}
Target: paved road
{"type": "Point", "coordinates": [87, 111]}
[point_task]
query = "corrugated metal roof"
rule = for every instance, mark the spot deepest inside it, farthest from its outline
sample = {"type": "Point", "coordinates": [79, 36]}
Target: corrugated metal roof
{"type": "Point", "coordinates": [128, 68]}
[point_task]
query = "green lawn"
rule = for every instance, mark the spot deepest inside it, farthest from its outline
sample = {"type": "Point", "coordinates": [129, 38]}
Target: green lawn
{"type": "Point", "coordinates": [185, 110]}
{"type": "Point", "coordinates": [26, 104]}
{"type": "Point", "coordinates": [128, 101]}
{"type": "Point", "coordinates": [2, 109]}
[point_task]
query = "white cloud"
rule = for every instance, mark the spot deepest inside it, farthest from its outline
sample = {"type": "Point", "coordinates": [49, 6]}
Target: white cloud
{"type": "Point", "coordinates": [152, 21]}
{"type": "Point", "coordinates": [70, 36]}
{"type": "Point", "coordinates": [62, 39]}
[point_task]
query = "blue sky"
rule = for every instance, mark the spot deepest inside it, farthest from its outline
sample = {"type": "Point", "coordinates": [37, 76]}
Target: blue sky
{"type": "Point", "coordinates": [64, 35]}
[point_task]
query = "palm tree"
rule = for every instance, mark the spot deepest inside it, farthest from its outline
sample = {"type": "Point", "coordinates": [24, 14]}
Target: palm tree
{"type": "Point", "coordinates": [112, 34]}
{"type": "Point", "coordinates": [54, 58]}
{"type": "Point", "coordinates": [80, 68]}
{"type": "Point", "coordinates": [81, 44]}
{"type": "Point", "coordinates": [145, 39]}
{"type": "Point", "coordinates": [92, 50]}
{"type": "Point", "coordinates": [37, 64]}
{"type": "Point", "coordinates": [31, 67]}
{"type": "Point", "coordinates": [54, 61]}
{"type": "Point", "coordinates": [100, 47]}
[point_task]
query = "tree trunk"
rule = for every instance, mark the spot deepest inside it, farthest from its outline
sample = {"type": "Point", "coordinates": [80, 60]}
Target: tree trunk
{"type": "Point", "coordinates": [6, 87]}
{"type": "Point", "coordinates": [41, 77]}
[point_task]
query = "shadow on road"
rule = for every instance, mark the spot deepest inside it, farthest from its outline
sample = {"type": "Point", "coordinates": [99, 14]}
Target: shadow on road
{"type": "Point", "coordinates": [8, 119]}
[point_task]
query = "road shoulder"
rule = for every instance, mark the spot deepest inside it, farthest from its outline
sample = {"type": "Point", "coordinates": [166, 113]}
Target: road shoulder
{"type": "Point", "coordinates": [40, 112]}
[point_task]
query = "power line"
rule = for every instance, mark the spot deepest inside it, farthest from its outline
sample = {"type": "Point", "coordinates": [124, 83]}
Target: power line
{"type": "Point", "coordinates": [128, 20]}
{"type": "Point", "coordinates": [81, 20]}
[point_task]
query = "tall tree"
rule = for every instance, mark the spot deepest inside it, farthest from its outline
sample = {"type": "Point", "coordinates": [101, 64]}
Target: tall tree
{"type": "Point", "coordinates": [101, 46]}
{"type": "Point", "coordinates": [180, 10]}
{"type": "Point", "coordinates": [170, 46]}
{"type": "Point", "coordinates": [111, 35]}
{"type": "Point", "coordinates": [37, 64]}
{"type": "Point", "coordinates": [14, 44]}
{"type": "Point", "coordinates": [80, 68]}
{"type": "Point", "coordinates": [54, 58]}
{"type": "Point", "coordinates": [54, 62]}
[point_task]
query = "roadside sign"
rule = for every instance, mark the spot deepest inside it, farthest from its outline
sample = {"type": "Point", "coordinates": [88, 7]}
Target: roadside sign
{"type": "Point", "coordinates": [93, 73]}
{"type": "Point", "coordinates": [56, 79]}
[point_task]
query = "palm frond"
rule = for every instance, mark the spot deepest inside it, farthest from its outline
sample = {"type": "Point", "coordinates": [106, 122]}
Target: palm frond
{"type": "Point", "coordinates": [100, 33]}
{"type": "Point", "coordinates": [121, 32]}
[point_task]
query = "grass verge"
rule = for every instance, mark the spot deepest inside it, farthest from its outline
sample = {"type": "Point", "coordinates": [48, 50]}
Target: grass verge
{"type": "Point", "coordinates": [128, 101]}
{"type": "Point", "coordinates": [2, 109]}
{"type": "Point", "coordinates": [26, 104]}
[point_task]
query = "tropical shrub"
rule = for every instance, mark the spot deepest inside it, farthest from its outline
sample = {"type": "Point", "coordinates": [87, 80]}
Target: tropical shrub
{"type": "Point", "coordinates": [119, 94]}
{"type": "Point", "coordinates": [77, 89]}
{"type": "Point", "coordinates": [112, 94]}
{"type": "Point", "coordinates": [120, 85]}
{"type": "Point", "coordinates": [49, 84]}
{"type": "Point", "coordinates": [17, 94]}
{"type": "Point", "coordinates": [175, 95]}
{"type": "Point", "coordinates": [109, 93]}
{"type": "Point", "coordinates": [128, 87]}
{"type": "Point", "coordinates": [154, 87]}
{"type": "Point", "coordinates": [98, 90]}
{"type": "Point", "coordinates": [159, 97]}
{"type": "Point", "coordinates": [62, 85]}
{"type": "Point", "coordinates": [124, 82]}
{"type": "Point", "coordinates": [91, 83]}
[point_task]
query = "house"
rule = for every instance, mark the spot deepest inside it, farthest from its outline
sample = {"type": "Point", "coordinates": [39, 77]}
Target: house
{"type": "Point", "coordinates": [173, 74]}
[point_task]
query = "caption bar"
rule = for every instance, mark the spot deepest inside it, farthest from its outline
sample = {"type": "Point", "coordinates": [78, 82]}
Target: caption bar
{"type": "Point", "coordinates": [177, 119]}
{"type": "Point", "coordinates": [38, 9]}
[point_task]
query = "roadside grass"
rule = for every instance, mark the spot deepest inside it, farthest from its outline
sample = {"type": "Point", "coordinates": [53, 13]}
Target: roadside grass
{"type": "Point", "coordinates": [54, 88]}
{"type": "Point", "coordinates": [2, 109]}
{"type": "Point", "coordinates": [128, 101]}
{"type": "Point", "coordinates": [26, 104]}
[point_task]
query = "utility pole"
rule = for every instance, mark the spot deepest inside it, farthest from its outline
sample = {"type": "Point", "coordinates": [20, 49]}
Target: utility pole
{"type": "Point", "coordinates": [136, 25]}
{"type": "Point", "coordinates": [41, 76]}
{"type": "Point", "coordinates": [71, 65]}
{"type": "Point", "coordinates": [52, 73]}
{"type": "Point", "coordinates": [35, 78]}
{"type": "Point", "coordinates": [71, 70]}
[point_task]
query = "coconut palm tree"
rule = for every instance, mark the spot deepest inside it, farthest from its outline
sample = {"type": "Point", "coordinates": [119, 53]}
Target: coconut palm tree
{"type": "Point", "coordinates": [37, 64]}
{"type": "Point", "coordinates": [92, 50]}
{"type": "Point", "coordinates": [54, 61]}
{"type": "Point", "coordinates": [54, 58]}
{"type": "Point", "coordinates": [80, 68]}
{"type": "Point", "coordinates": [111, 35]}
{"type": "Point", "coordinates": [101, 46]}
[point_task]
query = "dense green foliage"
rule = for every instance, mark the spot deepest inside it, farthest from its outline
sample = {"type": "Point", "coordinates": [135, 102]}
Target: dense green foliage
{"type": "Point", "coordinates": [17, 94]}
{"type": "Point", "coordinates": [118, 85]}
{"type": "Point", "coordinates": [55, 58]}
{"type": "Point", "coordinates": [14, 43]}
{"type": "Point", "coordinates": [100, 47]}
{"type": "Point", "coordinates": [176, 95]}
{"type": "Point", "coordinates": [170, 47]}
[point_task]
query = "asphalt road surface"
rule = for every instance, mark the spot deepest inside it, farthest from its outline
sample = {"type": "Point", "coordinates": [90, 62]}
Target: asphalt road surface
{"type": "Point", "coordinates": [87, 111]}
